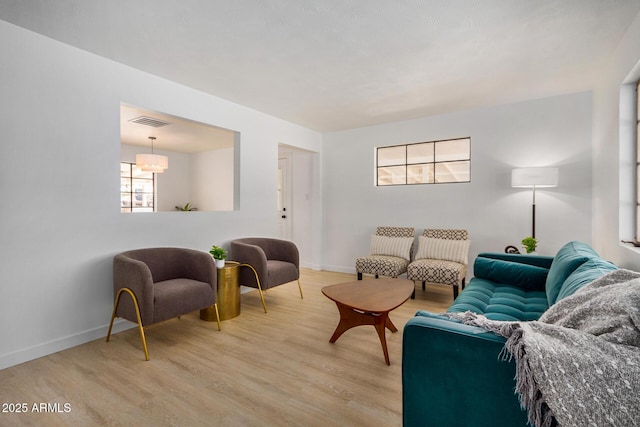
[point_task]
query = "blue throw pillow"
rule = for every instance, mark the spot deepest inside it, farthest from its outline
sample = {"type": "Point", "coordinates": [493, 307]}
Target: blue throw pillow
{"type": "Point", "coordinates": [510, 273]}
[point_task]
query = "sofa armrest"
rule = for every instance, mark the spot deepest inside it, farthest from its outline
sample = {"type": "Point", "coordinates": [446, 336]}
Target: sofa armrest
{"type": "Point", "coordinates": [451, 375]}
{"type": "Point", "coordinates": [518, 274]}
{"type": "Point", "coordinates": [535, 260]}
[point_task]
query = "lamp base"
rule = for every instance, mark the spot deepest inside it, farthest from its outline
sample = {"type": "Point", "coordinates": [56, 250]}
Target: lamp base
{"type": "Point", "coordinates": [511, 250]}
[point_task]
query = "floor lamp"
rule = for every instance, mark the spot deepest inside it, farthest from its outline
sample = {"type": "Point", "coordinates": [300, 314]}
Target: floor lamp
{"type": "Point", "coordinates": [534, 178]}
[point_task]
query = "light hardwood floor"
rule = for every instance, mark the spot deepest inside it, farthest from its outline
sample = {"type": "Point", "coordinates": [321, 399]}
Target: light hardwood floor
{"type": "Point", "coordinates": [274, 369]}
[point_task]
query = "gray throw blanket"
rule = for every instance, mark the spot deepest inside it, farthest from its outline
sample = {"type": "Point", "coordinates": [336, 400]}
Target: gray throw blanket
{"type": "Point", "coordinates": [579, 364]}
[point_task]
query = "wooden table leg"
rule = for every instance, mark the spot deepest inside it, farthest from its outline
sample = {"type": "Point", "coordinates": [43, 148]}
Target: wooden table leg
{"type": "Point", "coordinates": [390, 325]}
{"type": "Point", "coordinates": [380, 324]}
{"type": "Point", "coordinates": [350, 318]}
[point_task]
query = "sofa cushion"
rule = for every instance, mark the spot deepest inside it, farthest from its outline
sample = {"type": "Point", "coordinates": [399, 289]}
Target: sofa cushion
{"type": "Point", "coordinates": [392, 246]}
{"type": "Point", "coordinates": [510, 273]}
{"type": "Point", "coordinates": [500, 302]}
{"type": "Point", "coordinates": [444, 249]}
{"type": "Point", "coordinates": [583, 275]}
{"type": "Point", "coordinates": [567, 260]}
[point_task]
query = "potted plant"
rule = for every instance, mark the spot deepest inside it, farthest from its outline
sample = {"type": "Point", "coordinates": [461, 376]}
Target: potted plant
{"type": "Point", "coordinates": [186, 208]}
{"type": "Point", "coordinates": [530, 244]}
{"type": "Point", "coordinates": [219, 254]}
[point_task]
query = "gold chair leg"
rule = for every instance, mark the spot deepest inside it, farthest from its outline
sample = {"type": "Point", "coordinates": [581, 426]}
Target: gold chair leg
{"type": "Point", "coordinates": [217, 316]}
{"type": "Point", "coordinates": [264, 305]}
{"type": "Point", "coordinates": [135, 304]}
{"type": "Point", "coordinates": [300, 287]}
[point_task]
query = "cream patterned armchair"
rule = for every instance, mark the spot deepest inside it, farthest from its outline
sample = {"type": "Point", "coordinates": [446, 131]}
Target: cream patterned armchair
{"type": "Point", "coordinates": [390, 254]}
{"type": "Point", "coordinates": [442, 257]}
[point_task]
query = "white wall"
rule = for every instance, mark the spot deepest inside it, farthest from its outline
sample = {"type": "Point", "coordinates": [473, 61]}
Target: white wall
{"type": "Point", "coordinates": [60, 223]}
{"type": "Point", "coordinates": [613, 152]}
{"type": "Point", "coordinates": [212, 180]}
{"type": "Point", "coordinates": [172, 186]}
{"type": "Point", "coordinates": [302, 170]}
{"type": "Point", "coordinates": [547, 132]}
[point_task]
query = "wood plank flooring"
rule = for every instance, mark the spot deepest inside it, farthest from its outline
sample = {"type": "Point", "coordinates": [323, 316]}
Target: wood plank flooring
{"type": "Point", "coordinates": [274, 369]}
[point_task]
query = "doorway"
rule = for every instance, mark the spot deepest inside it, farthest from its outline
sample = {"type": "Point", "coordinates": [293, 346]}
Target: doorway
{"type": "Point", "coordinates": [299, 201]}
{"type": "Point", "coordinates": [284, 195]}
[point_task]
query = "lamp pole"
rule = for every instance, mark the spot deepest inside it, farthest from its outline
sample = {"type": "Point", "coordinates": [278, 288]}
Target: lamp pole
{"type": "Point", "coordinates": [533, 214]}
{"type": "Point", "coordinates": [532, 178]}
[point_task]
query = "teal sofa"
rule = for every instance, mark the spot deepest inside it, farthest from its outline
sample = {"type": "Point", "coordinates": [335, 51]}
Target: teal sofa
{"type": "Point", "coordinates": [451, 373]}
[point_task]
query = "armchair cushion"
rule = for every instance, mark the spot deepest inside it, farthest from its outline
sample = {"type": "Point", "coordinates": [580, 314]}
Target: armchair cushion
{"type": "Point", "coordinates": [443, 249]}
{"type": "Point", "coordinates": [437, 271]}
{"type": "Point", "coordinates": [281, 271]}
{"type": "Point", "coordinates": [176, 297]}
{"type": "Point", "coordinates": [383, 265]}
{"type": "Point", "coordinates": [392, 246]}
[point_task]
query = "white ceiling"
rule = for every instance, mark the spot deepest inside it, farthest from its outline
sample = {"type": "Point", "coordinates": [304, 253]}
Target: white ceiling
{"type": "Point", "coordinates": [331, 65]}
{"type": "Point", "coordinates": [180, 134]}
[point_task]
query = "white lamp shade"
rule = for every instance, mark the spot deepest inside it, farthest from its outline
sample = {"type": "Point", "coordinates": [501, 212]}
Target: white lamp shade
{"type": "Point", "coordinates": [152, 162]}
{"type": "Point", "coordinates": [534, 177]}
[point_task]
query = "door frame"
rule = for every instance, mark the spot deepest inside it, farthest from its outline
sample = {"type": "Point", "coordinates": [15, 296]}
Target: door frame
{"type": "Point", "coordinates": [284, 164]}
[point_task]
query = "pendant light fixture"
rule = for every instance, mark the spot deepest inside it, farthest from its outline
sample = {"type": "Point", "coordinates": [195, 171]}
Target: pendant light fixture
{"type": "Point", "coordinates": [152, 162]}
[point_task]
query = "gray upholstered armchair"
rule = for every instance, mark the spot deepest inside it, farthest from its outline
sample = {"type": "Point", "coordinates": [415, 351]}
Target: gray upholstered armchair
{"type": "Point", "coordinates": [162, 283]}
{"type": "Point", "coordinates": [266, 262]}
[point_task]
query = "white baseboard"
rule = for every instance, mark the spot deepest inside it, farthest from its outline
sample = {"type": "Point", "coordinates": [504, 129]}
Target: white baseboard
{"type": "Point", "coordinates": [30, 353]}
{"type": "Point", "coordinates": [339, 269]}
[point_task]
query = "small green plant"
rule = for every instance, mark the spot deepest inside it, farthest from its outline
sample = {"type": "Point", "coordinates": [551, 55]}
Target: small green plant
{"type": "Point", "coordinates": [186, 208]}
{"type": "Point", "coordinates": [217, 252]}
{"type": "Point", "coordinates": [530, 244]}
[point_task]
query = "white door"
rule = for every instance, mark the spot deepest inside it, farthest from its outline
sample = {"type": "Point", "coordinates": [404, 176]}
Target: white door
{"type": "Point", "coordinates": [284, 197]}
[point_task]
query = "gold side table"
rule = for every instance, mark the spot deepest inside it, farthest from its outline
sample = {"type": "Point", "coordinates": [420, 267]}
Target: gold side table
{"type": "Point", "coordinates": [228, 298]}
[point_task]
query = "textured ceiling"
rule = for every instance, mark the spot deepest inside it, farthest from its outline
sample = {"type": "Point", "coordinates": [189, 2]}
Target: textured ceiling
{"type": "Point", "coordinates": [332, 65]}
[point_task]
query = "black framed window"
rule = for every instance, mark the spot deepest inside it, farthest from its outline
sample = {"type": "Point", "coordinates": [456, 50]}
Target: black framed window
{"type": "Point", "coordinates": [432, 162]}
{"type": "Point", "coordinates": [137, 189]}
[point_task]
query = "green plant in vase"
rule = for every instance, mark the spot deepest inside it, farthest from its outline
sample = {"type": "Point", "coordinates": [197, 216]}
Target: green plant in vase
{"type": "Point", "coordinates": [186, 208]}
{"type": "Point", "coordinates": [530, 244]}
{"type": "Point", "coordinates": [219, 254]}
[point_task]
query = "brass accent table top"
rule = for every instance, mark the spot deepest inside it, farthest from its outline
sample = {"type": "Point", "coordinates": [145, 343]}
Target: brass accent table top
{"type": "Point", "coordinates": [368, 302]}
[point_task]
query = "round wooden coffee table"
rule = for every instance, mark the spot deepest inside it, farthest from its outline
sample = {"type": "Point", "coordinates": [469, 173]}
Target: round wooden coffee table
{"type": "Point", "coordinates": [368, 302]}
